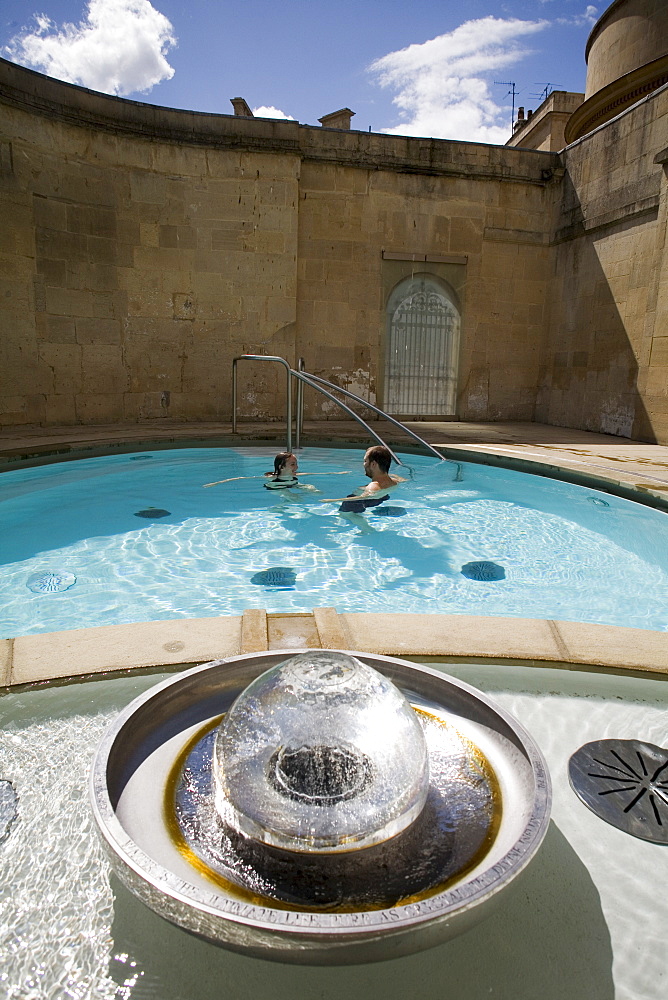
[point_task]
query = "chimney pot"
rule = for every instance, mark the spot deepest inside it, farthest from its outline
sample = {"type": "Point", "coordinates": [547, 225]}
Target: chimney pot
{"type": "Point", "coordinates": [337, 119]}
{"type": "Point", "coordinates": [241, 107]}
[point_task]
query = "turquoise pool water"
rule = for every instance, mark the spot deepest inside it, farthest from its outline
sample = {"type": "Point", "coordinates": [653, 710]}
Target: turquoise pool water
{"type": "Point", "coordinates": [561, 551]}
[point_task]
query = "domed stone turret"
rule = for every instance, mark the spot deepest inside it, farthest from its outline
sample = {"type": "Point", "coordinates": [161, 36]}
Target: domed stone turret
{"type": "Point", "coordinates": [627, 58]}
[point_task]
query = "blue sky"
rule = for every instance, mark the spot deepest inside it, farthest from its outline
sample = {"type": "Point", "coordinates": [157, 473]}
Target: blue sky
{"type": "Point", "coordinates": [418, 67]}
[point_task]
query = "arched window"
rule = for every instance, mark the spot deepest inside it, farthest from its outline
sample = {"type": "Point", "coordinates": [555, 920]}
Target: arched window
{"type": "Point", "coordinates": [422, 348]}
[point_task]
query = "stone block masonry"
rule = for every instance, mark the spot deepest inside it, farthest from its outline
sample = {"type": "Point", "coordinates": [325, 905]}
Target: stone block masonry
{"type": "Point", "coordinates": [142, 249]}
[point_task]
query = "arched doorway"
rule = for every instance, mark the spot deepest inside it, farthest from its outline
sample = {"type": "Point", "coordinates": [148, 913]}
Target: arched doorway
{"type": "Point", "coordinates": [422, 348]}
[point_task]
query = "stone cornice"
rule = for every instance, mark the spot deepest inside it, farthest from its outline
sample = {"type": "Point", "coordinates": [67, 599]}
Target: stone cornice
{"type": "Point", "coordinates": [605, 104]}
{"type": "Point", "coordinates": [35, 93]}
{"type": "Point", "coordinates": [38, 94]}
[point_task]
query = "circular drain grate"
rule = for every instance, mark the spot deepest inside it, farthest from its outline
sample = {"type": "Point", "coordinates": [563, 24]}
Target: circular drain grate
{"type": "Point", "coordinates": [276, 576]}
{"type": "Point", "coordinates": [50, 583]}
{"type": "Point", "coordinates": [483, 571]}
{"type": "Point", "coordinates": [153, 513]}
{"type": "Point", "coordinates": [390, 512]}
{"type": "Point", "coordinates": [598, 501]}
{"type": "Point", "coordinates": [625, 783]}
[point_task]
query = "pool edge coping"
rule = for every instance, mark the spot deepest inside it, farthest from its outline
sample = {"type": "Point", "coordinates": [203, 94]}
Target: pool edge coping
{"type": "Point", "coordinates": [184, 642]}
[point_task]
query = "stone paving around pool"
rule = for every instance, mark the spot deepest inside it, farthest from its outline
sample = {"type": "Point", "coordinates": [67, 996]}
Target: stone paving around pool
{"type": "Point", "coordinates": [185, 642]}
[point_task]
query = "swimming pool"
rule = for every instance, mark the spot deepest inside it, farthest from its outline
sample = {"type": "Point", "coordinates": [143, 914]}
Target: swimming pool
{"type": "Point", "coordinates": [136, 537]}
{"type": "Point", "coordinates": [587, 921]}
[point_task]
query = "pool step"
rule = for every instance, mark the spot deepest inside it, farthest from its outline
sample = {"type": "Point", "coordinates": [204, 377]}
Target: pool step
{"type": "Point", "coordinates": [321, 628]}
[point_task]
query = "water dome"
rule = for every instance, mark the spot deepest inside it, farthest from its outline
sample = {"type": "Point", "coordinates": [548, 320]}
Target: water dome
{"type": "Point", "coordinates": [321, 753]}
{"type": "Point", "coordinates": [319, 807]}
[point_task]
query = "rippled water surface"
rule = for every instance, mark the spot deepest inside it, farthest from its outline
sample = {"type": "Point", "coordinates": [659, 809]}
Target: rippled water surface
{"type": "Point", "coordinates": [587, 920]}
{"type": "Point", "coordinates": [456, 538]}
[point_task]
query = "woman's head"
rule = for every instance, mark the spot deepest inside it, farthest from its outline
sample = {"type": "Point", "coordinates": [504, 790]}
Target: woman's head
{"type": "Point", "coordinates": [285, 462]}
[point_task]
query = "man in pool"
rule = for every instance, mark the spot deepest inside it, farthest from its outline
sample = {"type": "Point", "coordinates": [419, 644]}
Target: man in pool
{"type": "Point", "coordinates": [377, 468]}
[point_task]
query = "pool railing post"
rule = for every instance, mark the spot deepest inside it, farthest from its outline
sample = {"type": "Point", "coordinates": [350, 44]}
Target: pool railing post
{"type": "Point", "coordinates": [301, 366]}
{"type": "Point", "coordinates": [234, 395]}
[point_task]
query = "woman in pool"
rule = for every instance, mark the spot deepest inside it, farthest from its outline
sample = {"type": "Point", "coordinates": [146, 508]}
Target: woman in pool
{"type": "Point", "coordinates": [285, 474]}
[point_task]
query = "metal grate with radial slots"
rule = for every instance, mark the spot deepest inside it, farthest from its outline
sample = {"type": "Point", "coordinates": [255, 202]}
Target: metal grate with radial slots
{"type": "Point", "coordinates": [153, 513]}
{"type": "Point", "coordinates": [625, 783]}
{"type": "Point", "coordinates": [279, 577]}
{"type": "Point", "coordinates": [483, 570]}
{"type": "Point", "coordinates": [50, 581]}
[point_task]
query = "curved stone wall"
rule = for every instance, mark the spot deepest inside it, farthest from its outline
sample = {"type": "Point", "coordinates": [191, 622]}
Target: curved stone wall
{"type": "Point", "coordinates": [144, 248]}
{"type": "Point", "coordinates": [628, 35]}
{"type": "Point", "coordinates": [627, 58]}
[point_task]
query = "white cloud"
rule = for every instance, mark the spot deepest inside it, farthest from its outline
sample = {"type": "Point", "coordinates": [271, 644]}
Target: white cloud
{"type": "Point", "coordinates": [118, 48]}
{"type": "Point", "coordinates": [441, 89]}
{"type": "Point", "coordinates": [269, 111]}
{"type": "Point", "coordinates": [589, 17]}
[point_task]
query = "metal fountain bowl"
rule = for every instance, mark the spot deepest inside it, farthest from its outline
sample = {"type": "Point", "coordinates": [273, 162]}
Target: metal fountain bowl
{"type": "Point", "coordinates": [127, 789]}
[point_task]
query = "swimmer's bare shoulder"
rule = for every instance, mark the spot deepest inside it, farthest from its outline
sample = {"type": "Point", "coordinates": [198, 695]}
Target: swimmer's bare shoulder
{"type": "Point", "coordinates": [375, 487]}
{"type": "Point", "coordinates": [370, 490]}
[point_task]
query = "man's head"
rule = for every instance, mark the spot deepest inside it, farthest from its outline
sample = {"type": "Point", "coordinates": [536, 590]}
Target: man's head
{"type": "Point", "coordinates": [378, 455]}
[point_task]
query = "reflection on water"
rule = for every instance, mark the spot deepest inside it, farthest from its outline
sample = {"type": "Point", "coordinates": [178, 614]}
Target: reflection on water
{"type": "Point", "coordinates": [570, 929]}
{"type": "Point", "coordinates": [453, 831]}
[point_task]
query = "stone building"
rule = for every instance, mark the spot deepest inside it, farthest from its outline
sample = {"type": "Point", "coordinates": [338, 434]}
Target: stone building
{"type": "Point", "coordinates": [545, 128]}
{"type": "Point", "coordinates": [143, 248]}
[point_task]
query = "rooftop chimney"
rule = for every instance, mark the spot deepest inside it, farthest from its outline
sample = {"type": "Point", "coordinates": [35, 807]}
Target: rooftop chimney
{"type": "Point", "coordinates": [337, 119]}
{"type": "Point", "coordinates": [241, 107]}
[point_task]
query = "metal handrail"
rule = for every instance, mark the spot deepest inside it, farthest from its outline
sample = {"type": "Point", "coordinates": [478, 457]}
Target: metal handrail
{"type": "Point", "coordinates": [317, 383]}
{"type": "Point", "coordinates": [299, 426]}
{"type": "Point", "coordinates": [305, 377]}
{"type": "Point", "coordinates": [289, 372]}
{"type": "Point", "coordinates": [382, 413]}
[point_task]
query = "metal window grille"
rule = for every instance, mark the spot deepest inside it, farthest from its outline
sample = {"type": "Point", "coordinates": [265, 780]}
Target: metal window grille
{"type": "Point", "coordinates": [422, 349]}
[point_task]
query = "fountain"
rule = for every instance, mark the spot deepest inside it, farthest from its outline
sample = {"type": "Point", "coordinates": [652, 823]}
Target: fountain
{"type": "Point", "coordinates": [319, 807]}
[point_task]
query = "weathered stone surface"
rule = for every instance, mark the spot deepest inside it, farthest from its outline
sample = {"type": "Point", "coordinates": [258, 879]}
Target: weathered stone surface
{"type": "Point", "coordinates": [609, 263]}
{"type": "Point", "coordinates": [137, 270]}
